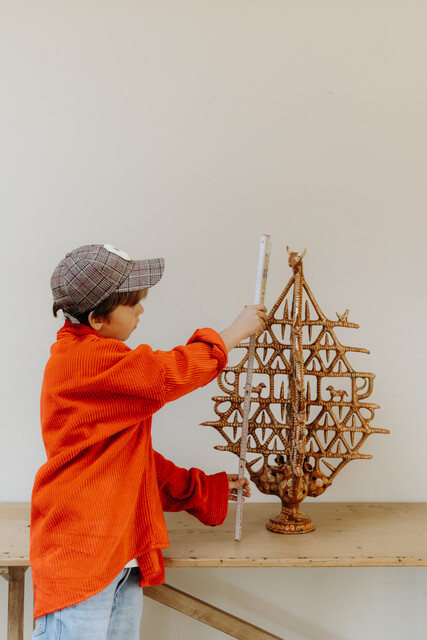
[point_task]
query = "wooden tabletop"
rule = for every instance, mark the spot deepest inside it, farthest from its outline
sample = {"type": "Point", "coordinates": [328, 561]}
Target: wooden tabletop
{"type": "Point", "coordinates": [14, 534]}
{"type": "Point", "coordinates": [347, 535]}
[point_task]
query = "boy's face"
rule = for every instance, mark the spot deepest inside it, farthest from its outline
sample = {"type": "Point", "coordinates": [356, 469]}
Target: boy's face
{"type": "Point", "coordinates": [121, 322]}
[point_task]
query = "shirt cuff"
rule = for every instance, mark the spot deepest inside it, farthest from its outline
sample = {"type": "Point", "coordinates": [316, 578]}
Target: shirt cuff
{"type": "Point", "coordinates": [212, 337]}
{"type": "Point", "coordinates": [217, 504]}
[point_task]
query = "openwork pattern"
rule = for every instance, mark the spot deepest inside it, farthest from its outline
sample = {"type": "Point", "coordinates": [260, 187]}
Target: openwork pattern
{"type": "Point", "coordinates": [309, 416]}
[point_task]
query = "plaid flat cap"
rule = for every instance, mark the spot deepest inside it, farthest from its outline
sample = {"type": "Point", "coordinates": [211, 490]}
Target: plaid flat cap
{"type": "Point", "coordinates": [89, 274]}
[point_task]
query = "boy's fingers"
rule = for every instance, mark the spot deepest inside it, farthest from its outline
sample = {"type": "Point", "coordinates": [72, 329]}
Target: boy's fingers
{"type": "Point", "coordinates": [234, 485]}
{"type": "Point", "coordinates": [246, 492]}
{"type": "Point", "coordinates": [239, 483]}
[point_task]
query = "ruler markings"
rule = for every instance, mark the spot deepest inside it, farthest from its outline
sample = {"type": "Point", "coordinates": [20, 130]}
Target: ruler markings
{"type": "Point", "coordinates": [261, 280]}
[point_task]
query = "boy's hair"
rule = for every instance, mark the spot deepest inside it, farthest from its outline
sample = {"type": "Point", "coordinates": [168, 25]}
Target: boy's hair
{"type": "Point", "coordinates": [107, 306]}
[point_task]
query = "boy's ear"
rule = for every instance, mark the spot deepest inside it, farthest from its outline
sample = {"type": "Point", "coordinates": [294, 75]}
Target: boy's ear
{"type": "Point", "coordinates": [95, 322]}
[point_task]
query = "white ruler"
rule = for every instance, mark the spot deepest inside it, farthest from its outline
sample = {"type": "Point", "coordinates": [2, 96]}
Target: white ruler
{"type": "Point", "coordinates": [261, 280]}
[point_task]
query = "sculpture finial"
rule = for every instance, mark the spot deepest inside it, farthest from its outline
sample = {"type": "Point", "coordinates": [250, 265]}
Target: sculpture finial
{"type": "Point", "coordinates": [294, 257]}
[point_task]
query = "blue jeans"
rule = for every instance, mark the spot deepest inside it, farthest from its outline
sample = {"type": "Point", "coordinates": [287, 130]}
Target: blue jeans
{"type": "Point", "coordinates": [113, 614]}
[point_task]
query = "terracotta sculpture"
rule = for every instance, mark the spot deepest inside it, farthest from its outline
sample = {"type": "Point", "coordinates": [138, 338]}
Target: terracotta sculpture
{"type": "Point", "coordinates": [309, 416]}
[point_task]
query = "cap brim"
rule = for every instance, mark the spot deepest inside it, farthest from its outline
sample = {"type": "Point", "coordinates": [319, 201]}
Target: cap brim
{"type": "Point", "coordinates": [144, 274]}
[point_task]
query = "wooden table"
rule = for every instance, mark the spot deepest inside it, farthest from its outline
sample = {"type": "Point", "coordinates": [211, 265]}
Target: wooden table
{"type": "Point", "coordinates": [14, 561]}
{"type": "Point", "coordinates": [346, 535]}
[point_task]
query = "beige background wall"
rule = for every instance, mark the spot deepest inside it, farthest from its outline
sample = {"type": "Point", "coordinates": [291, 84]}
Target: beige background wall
{"type": "Point", "coordinates": [186, 129]}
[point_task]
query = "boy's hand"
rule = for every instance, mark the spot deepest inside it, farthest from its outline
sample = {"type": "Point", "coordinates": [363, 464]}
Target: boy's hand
{"type": "Point", "coordinates": [250, 321]}
{"type": "Point", "coordinates": [234, 484]}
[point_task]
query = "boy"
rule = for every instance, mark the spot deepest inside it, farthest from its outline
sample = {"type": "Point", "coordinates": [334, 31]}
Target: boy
{"type": "Point", "coordinates": [97, 525]}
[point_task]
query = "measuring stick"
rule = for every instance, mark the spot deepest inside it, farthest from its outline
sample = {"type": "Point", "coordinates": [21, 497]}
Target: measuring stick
{"type": "Point", "coordinates": [261, 280]}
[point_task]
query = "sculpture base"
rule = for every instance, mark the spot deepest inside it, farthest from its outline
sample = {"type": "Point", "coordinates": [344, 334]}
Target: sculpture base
{"type": "Point", "coordinates": [290, 521]}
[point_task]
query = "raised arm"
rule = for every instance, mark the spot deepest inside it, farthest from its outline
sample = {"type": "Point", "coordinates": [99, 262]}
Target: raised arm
{"type": "Point", "coordinates": [204, 356]}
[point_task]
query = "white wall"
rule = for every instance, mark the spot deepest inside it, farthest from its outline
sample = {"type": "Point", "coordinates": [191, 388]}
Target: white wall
{"type": "Point", "coordinates": [186, 129]}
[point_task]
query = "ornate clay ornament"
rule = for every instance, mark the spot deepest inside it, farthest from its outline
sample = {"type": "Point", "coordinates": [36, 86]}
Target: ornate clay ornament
{"type": "Point", "coordinates": [308, 418]}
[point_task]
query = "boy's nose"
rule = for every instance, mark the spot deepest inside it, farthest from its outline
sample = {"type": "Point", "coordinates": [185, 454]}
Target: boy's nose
{"type": "Point", "coordinates": [139, 309]}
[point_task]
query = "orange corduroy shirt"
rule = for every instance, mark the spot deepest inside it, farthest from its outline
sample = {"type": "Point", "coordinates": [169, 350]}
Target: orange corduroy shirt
{"type": "Point", "coordinates": [98, 500]}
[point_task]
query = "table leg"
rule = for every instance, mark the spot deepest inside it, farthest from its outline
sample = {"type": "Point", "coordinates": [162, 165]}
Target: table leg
{"type": "Point", "coordinates": [206, 613]}
{"type": "Point", "coordinates": [15, 620]}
